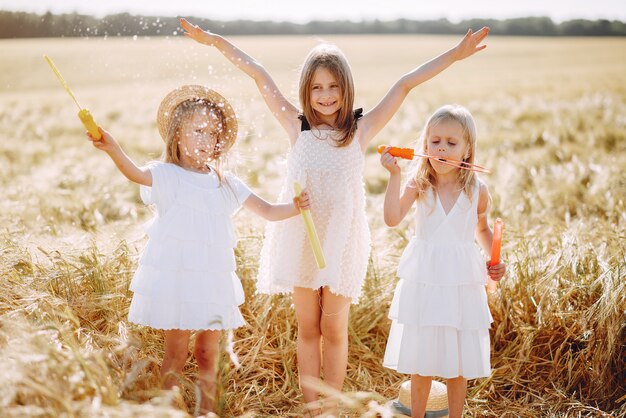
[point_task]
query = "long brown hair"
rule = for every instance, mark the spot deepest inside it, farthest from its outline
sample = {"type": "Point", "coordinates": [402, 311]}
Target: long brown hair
{"type": "Point", "coordinates": [329, 57]}
{"type": "Point", "coordinates": [182, 115]}
{"type": "Point", "coordinates": [425, 177]}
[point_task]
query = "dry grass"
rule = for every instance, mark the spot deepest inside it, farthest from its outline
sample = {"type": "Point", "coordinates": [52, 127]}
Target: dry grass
{"type": "Point", "coordinates": [551, 125]}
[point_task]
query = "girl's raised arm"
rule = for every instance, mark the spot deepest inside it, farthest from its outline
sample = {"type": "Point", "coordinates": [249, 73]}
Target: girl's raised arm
{"type": "Point", "coordinates": [376, 119]}
{"type": "Point", "coordinates": [285, 112]}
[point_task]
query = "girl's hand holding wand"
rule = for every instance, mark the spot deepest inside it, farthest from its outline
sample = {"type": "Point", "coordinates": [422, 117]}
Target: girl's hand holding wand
{"type": "Point", "coordinates": [495, 268]}
{"type": "Point", "coordinates": [105, 143]}
{"type": "Point", "coordinates": [302, 201]}
{"type": "Point", "coordinates": [389, 161]}
{"type": "Point", "coordinates": [496, 272]}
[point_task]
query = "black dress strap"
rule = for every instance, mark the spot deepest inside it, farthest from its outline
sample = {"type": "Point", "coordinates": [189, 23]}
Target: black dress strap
{"type": "Point", "coordinates": [305, 123]}
{"type": "Point", "coordinates": [358, 114]}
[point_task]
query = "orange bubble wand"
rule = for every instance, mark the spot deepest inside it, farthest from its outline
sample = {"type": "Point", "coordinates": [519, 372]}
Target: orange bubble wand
{"type": "Point", "coordinates": [409, 154]}
{"type": "Point", "coordinates": [496, 244]}
{"type": "Point", "coordinates": [83, 114]}
{"type": "Point", "coordinates": [310, 231]}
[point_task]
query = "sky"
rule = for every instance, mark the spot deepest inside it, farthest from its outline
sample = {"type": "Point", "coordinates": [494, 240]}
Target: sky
{"type": "Point", "coordinates": [356, 10]}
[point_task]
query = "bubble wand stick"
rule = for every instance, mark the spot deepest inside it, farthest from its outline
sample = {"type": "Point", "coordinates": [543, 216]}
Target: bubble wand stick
{"type": "Point", "coordinates": [409, 154]}
{"type": "Point", "coordinates": [83, 114]}
{"type": "Point", "coordinates": [310, 231]}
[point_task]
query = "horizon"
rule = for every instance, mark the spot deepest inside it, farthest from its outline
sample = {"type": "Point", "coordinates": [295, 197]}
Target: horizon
{"type": "Point", "coordinates": [329, 10]}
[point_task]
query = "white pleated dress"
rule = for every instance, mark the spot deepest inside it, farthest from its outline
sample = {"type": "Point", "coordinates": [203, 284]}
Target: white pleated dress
{"type": "Point", "coordinates": [333, 177]}
{"type": "Point", "coordinates": [186, 275]}
{"type": "Point", "coordinates": [440, 316]}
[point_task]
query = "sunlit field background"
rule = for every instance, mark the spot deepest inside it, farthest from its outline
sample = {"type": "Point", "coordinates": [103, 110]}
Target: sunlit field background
{"type": "Point", "coordinates": [551, 115]}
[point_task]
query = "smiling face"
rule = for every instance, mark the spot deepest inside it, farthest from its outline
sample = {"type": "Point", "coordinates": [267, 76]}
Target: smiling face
{"type": "Point", "coordinates": [326, 96]}
{"type": "Point", "coordinates": [446, 139]}
{"type": "Point", "coordinates": [198, 137]}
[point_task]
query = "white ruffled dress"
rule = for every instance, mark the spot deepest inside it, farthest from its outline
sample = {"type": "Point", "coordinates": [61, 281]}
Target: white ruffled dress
{"type": "Point", "coordinates": [333, 177]}
{"type": "Point", "coordinates": [440, 316]}
{"type": "Point", "coordinates": [186, 275]}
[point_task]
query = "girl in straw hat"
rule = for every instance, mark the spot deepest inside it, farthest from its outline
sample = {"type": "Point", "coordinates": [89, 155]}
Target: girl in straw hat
{"type": "Point", "coordinates": [440, 314]}
{"type": "Point", "coordinates": [328, 139]}
{"type": "Point", "coordinates": [186, 277]}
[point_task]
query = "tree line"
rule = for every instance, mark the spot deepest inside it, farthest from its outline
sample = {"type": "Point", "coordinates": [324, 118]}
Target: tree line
{"type": "Point", "coordinates": [30, 25]}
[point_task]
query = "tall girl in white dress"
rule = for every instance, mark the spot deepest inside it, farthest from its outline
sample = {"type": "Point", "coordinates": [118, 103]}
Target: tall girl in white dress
{"type": "Point", "coordinates": [439, 310]}
{"type": "Point", "coordinates": [328, 139]}
{"type": "Point", "coordinates": [186, 277]}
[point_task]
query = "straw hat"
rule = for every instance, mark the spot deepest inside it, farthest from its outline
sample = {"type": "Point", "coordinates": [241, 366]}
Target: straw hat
{"type": "Point", "coordinates": [436, 407]}
{"type": "Point", "coordinates": [195, 92]}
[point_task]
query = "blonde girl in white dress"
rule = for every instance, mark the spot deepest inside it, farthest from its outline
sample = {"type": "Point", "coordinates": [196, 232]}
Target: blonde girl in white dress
{"type": "Point", "coordinates": [186, 277]}
{"type": "Point", "coordinates": [327, 140]}
{"type": "Point", "coordinates": [440, 314]}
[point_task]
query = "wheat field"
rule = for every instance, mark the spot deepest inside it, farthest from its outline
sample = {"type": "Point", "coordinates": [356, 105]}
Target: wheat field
{"type": "Point", "coordinates": [551, 116]}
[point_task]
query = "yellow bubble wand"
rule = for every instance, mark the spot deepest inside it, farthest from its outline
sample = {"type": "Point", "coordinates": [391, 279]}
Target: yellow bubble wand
{"type": "Point", "coordinates": [310, 231]}
{"type": "Point", "coordinates": [83, 114]}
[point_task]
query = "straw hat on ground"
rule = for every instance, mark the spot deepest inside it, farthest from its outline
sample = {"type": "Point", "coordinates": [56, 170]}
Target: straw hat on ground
{"type": "Point", "coordinates": [196, 92]}
{"type": "Point", "coordinates": [436, 407]}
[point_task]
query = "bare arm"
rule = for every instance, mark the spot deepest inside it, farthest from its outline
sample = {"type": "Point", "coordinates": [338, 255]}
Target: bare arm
{"type": "Point", "coordinates": [376, 119]}
{"type": "Point", "coordinates": [483, 233]}
{"type": "Point", "coordinates": [396, 207]}
{"type": "Point", "coordinates": [285, 112]}
{"type": "Point", "coordinates": [276, 211]}
{"type": "Point", "coordinates": [128, 168]}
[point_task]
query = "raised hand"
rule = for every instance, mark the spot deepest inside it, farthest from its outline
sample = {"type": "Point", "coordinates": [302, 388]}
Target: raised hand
{"type": "Point", "coordinates": [197, 34]}
{"type": "Point", "coordinates": [285, 112]}
{"type": "Point", "coordinates": [471, 43]}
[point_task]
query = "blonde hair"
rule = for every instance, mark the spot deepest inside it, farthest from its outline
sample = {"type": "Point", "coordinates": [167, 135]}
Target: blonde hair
{"type": "Point", "coordinates": [424, 175]}
{"type": "Point", "coordinates": [329, 57]}
{"type": "Point", "coordinates": [182, 115]}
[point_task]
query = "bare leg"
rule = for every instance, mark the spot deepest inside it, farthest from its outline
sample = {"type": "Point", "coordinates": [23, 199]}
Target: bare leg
{"type": "Point", "coordinates": [457, 390]}
{"type": "Point", "coordinates": [306, 302]}
{"type": "Point", "coordinates": [174, 357]}
{"type": "Point", "coordinates": [420, 389]}
{"type": "Point", "coordinates": [206, 352]}
{"type": "Point", "coordinates": [334, 325]}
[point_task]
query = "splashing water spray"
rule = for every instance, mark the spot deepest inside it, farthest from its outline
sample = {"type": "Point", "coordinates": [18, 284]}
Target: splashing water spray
{"type": "Point", "coordinates": [83, 113]}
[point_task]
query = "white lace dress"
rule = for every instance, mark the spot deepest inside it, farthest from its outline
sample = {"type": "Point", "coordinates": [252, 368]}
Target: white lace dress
{"type": "Point", "coordinates": [440, 314]}
{"type": "Point", "coordinates": [333, 177]}
{"type": "Point", "coordinates": [186, 275]}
